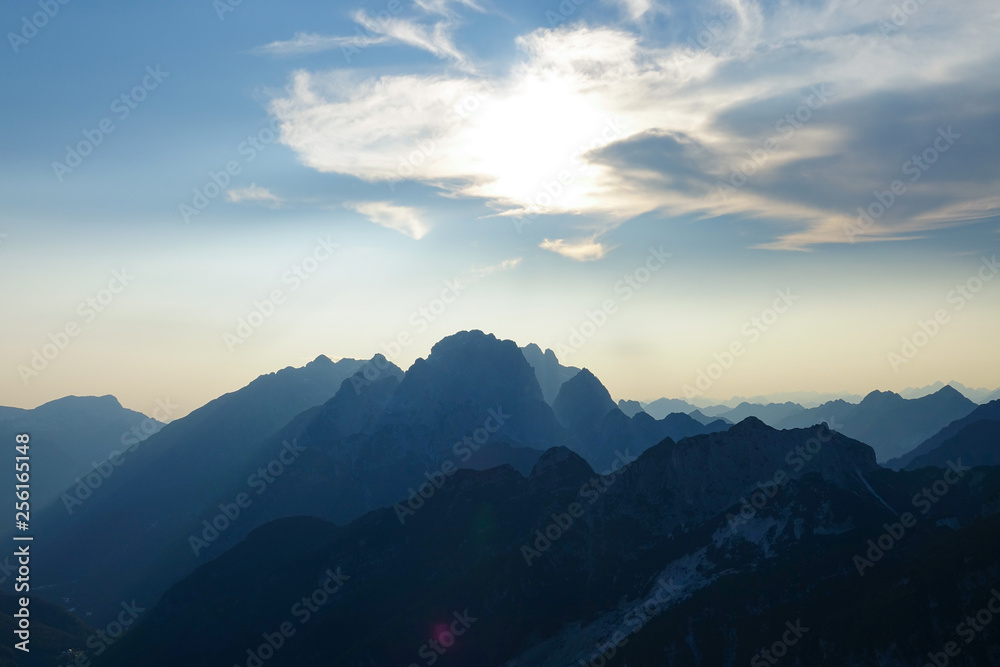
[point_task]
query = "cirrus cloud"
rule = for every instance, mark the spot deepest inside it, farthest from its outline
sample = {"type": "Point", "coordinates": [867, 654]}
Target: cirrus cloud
{"type": "Point", "coordinates": [604, 124]}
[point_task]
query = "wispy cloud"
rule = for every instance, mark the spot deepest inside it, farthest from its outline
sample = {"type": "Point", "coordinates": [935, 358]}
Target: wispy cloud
{"type": "Point", "coordinates": [505, 265]}
{"type": "Point", "coordinates": [435, 39]}
{"type": "Point", "coordinates": [253, 193]}
{"type": "Point", "coordinates": [581, 251]}
{"type": "Point", "coordinates": [443, 7]}
{"type": "Point", "coordinates": [635, 9]}
{"type": "Point", "coordinates": [603, 124]}
{"type": "Point", "coordinates": [403, 219]}
{"type": "Point", "coordinates": [304, 42]}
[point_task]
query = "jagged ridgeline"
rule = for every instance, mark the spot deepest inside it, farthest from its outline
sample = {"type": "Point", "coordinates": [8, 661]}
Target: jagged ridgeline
{"type": "Point", "coordinates": [491, 506]}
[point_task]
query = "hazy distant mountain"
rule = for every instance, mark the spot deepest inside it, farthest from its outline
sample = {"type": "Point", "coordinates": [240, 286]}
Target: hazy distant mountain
{"type": "Point", "coordinates": [716, 407]}
{"type": "Point", "coordinates": [550, 373]}
{"type": "Point", "coordinates": [988, 412]}
{"type": "Point", "coordinates": [976, 395]}
{"type": "Point", "coordinates": [771, 413]}
{"type": "Point", "coordinates": [995, 396]}
{"type": "Point", "coordinates": [546, 569]}
{"type": "Point", "coordinates": [70, 437]}
{"type": "Point", "coordinates": [602, 433]}
{"type": "Point", "coordinates": [715, 411]}
{"type": "Point", "coordinates": [977, 444]}
{"type": "Point", "coordinates": [808, 399]}
{"type": "Point", "coordinates": [168, 480]}
{"type": "Point", "coordinates": [891, 424]}
{"type": "Point", "coordinates": [702, 418]}
{"type": "Point", "coordinates": [833, 412]}
{"type": "Point", "coordinates": [920, 392]}
{"type": "Point", "coordinates": [630, 408]}
{"type": "Point", "coordinates": [662, 407]}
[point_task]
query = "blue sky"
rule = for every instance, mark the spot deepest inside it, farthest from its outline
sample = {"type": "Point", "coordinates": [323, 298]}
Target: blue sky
{"type": "Point", "coordinates": [740, 137]}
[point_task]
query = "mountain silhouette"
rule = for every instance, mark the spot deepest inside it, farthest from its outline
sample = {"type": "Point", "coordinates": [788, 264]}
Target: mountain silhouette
{"type": "Point", "coordinates": [891, 424]}
{"type": "Point", "coordinates": [550, 373]}
{"type": "Point", "coordinates": [454, 495]}
{"type": "Point", "coordinates": [603, 435]}
{"type": "Point", "coordinates": [662, 407]}
{"type": "Point", "coordinates": [630, 408]}
{"type": "Point", "coordinates": [771, 413]}
{"type": "Point", "coordinates": [977, 444]}
{"type": "Point", "coordinates": [70, 438]}
{"type": "Point", "coordinates": [988, 411]}
{"type": "Point", "coordinates": [167, 482]}
{"type": "Point", "coordinates": [534, 573]}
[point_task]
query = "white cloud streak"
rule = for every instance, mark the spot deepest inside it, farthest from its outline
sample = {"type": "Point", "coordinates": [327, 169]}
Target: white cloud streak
{"type": "Point", "coordinates": [403, 219]}
{"type": "Point", "coordinates": [253, 193]}
{"type": "Point", "coordinates": [534, 146]}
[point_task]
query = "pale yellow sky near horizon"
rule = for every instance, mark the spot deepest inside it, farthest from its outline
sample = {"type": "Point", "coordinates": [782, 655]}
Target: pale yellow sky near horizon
{"type": "Point", "coordinates": [165, 335]}
{"type": "Point", "coordinates": [620, 374]}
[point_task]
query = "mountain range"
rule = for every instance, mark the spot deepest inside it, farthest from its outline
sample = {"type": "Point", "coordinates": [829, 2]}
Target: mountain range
{"type": "Point", "coordinates": [660, 563]}
{"type": "Point", "coordinates": [976, 395]}
{"type": "Point", "coordinates": [164, 483]}
{"type": "Point", "coordinates": [339, 447]}
{"type": "Point", "coordinates": [489, 506]}
{"type": "Point", "coordinates": [987, 412]}
{"type": "Point", "coordinates": [73, 437]}
{"type": "Point", "coordinates": [891, 424]}
{"type": "Point", "coordinates": [977, 444]}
